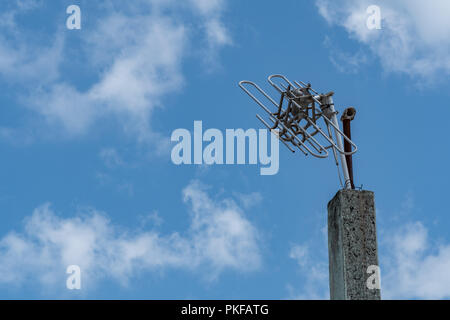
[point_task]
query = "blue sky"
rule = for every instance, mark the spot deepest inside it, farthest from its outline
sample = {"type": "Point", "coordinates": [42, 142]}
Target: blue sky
{"type": "Point", "coordinates": [85, 123]}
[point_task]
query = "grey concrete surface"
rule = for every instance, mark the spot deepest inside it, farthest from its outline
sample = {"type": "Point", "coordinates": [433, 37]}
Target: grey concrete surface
{"type": "Point", "coordinates": [352, 246]}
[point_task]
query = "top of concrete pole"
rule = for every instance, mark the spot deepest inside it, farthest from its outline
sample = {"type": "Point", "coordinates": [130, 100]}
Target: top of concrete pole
{"type": "Point", "coordinates": [352, 245]}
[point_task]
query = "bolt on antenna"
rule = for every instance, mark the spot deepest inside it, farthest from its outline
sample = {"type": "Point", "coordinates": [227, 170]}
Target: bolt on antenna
{"type": "Point", "coordinates": [296, 120]}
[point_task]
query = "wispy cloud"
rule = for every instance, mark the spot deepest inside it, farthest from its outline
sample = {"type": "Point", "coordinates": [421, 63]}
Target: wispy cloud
{"type": "Point", "coordinates": [219, 237]}
{"type": "Point", "coordinates": [414, 266]}
{"type": "Point", "coordinates": [248, 200]}
{"type": "Point", "coordinates": [136, 54]}
{"type": "Point", "coordinates": [415, 35]}
{"type": "Point", "coordinates": [343, 61]}
{"type": "Point", "coordinates": [314, 271]}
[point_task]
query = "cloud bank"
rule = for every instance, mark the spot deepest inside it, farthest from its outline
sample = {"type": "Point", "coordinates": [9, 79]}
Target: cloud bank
{"type": "Point", "coordinates": [219, 237]}
{"type": "Point", "coordinates": [415, 267]}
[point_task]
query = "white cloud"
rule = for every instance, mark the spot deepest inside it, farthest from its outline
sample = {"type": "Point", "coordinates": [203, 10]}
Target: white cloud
{"type": "Point", "coordinates": [343, 61]}
{"type": "Point", "coordinates": [415, 35]}
{"type": "Point", "coordinates": [208, 7]}
{"type": "Point", "coordinates": [314, 272]}
{"type": "Point", "coordinates": [219, 237]}
{"type": "Point", "coordinates": [415, 268]}
{"type": "Point", "coordinates": [300, 254]}
{"type": "Point", "coordinates": [137, 54]}
{"type": "Point", "coordinates": [248, 200]}
{"type": "Point", "coordinates": [217, 33]}
{"type": "Point", "coordinates": [144, 66]}
{"type": "Point", "coordinates": [20, 63]}
{"type": "Point", "coordinates": [222, 236]}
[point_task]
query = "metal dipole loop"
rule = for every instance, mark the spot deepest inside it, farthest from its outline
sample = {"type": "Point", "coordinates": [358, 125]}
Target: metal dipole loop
{"type": "Point", "coordinates": [300, 102]}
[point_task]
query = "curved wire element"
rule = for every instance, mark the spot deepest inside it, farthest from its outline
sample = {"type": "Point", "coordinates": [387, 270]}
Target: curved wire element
{"type": "Point", "coordinates": [286, 133]}
{"type": "Point", "coordinates": [306, 88]}
{"type": "Point", "coordinates": [296, 119]}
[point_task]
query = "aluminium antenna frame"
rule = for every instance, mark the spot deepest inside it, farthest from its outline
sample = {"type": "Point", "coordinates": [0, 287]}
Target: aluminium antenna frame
{"type": "Point", "coordinates": [296, 125]}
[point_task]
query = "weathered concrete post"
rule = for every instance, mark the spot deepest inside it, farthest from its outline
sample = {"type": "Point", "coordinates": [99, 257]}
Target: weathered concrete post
{"type": "Point", "coordinates": [352, 246]}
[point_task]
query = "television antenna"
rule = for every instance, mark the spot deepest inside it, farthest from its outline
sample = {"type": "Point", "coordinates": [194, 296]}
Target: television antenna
{"type": "Point", "coordinates": [297, 117]}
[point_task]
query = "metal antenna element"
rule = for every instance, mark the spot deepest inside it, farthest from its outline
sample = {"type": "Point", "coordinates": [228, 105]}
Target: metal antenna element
{"type": "Point", "coordinates": [296, 119]}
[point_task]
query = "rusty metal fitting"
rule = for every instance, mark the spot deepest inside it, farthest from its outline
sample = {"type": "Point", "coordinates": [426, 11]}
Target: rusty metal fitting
{"type": "Point", "coordinates": [349, 114]}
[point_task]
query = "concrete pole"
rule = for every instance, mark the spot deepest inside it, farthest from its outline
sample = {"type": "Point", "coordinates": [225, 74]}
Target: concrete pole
{"type": "Point", "coordinates": [352, 246]}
